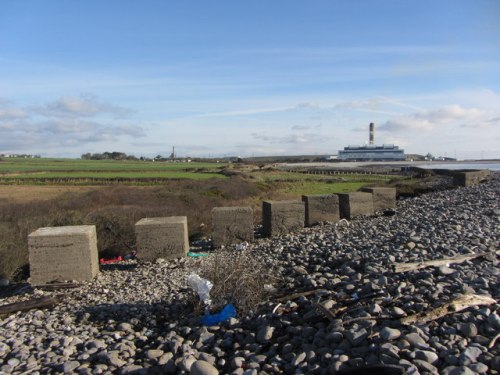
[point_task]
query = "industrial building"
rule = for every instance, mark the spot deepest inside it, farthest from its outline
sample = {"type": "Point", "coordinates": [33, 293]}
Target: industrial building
{"type": "Point", "coordinates": [372, 152]}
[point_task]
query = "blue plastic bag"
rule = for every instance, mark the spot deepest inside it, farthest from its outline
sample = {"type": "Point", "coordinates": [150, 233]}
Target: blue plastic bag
{"type": "Point", "coordinates": [229, 311]}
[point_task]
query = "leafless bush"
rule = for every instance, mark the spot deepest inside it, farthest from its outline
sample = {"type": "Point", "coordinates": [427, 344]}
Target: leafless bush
{"type": "Point", "coordinates": [239, 277]}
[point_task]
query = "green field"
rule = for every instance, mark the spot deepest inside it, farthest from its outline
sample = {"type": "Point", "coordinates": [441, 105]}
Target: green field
{"type": "Point", "coordinates": [20, 165]}
{"type": "Point", "coordinates": [42, 171]}
{"type": "Point", "coordinates": [25, 171]}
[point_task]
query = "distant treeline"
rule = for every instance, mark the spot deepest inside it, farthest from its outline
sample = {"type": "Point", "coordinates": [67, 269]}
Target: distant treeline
{"type": "Point", "coordinates": [123, 156]}
{"type": "Point", "coordinates": [111, 156]}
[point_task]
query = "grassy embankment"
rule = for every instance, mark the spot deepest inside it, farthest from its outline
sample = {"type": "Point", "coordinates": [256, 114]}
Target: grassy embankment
{"type": "Point", "coordinates": [119, 193]}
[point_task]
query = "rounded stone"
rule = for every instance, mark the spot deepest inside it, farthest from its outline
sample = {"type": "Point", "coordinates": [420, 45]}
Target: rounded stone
{"type": "Point", "coordinates": [69, 366]}
{"type": "Point", "coordinates": [154, 353]}
{"type": "Point", "coordinates": [203, 368]}
{"type": "Point", "coordinates": [389, 334]}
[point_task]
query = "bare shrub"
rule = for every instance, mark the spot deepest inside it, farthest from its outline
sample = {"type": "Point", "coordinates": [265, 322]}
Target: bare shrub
{"type": "Point", "coordinates": [239, 277]}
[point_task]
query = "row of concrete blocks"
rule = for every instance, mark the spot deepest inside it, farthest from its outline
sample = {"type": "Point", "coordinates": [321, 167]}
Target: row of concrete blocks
{"type": "Point", "coordinates": [469, 178]}
{"type": "Point", "coordinates": [70, 252]}
{"type": "Point", "coordinates": [281, 217]}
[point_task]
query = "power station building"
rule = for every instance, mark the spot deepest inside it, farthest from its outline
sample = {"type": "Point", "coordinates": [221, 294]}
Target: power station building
{"type": "Point", "coordinates": [372, 152]}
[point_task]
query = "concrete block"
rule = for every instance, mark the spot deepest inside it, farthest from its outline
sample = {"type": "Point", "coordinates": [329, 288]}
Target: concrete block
{"type": "Point", "coordinates": [232, 225]}
{"type": "Point", "coordinates": [319, 208]}
{"type": "Point", "coordinates": [383, 197]}
{"type": "Point", "coordinates": [355, 204]}
{"type": "Point", "coordinates": [162, 237]}
{"type": "Point", "coordinates": [63, 253]}
{"type": "Point", "coordinates": [282, 217]}
{"type": "Point", "coordinates": [464, 179]}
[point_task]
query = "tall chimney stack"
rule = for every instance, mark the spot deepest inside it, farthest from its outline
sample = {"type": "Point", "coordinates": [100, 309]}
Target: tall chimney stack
{"type": "Point", "coordinates": [372, 132]}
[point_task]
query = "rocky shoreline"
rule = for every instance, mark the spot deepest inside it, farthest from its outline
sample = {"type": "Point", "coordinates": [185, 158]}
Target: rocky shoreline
{"type": "Point", "coordinates": [339, 304]}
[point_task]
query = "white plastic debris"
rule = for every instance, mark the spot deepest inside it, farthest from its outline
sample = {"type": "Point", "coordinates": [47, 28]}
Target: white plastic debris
{"type": "Point", "coordinates": [343, 221]}
{"type": "Point", "coordinates": [201, 286]}
{"type": "Point", "coordinates": [242, 246]}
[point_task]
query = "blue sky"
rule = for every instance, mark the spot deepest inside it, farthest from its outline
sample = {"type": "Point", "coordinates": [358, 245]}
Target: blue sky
{"type": "Point", "coordinates": [249, 78]}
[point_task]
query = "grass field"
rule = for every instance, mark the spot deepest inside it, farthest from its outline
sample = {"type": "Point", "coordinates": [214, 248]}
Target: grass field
{"type": "Point", "coordinates": [20, 165]}
{"type": "Point", "coordinates": [66, 171]}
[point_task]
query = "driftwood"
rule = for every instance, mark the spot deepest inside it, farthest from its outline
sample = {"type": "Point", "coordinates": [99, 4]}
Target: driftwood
{"type": "Point", "coordinates": [35, 303]}
{"type": "Point", "coordinates": [300, 294]}
{"type": "Point", "coordinates": [458, 304]}
{"type": "Point", "coordinates": [405, 267]}
{"type": "Point", "coordinates": [493, 341]}
{"type": "Point", "coordinates": [55, 286]}
{"type": "Point", "coordinates": [325, 311]}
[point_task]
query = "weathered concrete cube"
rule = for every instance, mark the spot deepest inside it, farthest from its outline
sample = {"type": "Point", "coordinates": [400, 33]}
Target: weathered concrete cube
{"type": "Point", "coordinates": [282, 217]}
{"type": "Point", "coordinates": [383, 197]}
{"type": "Point", "coordinates": [63, 253]}
{"type": "Point", "coordinates": [470, 178]}
{"type": "Point", "coordinates": [232, 225]}
{"type": "Point", "coordinates": [319, 208]}
{"type": "Point", "coordinates": [162, 237]}
{"type": "Point", "coordinates": [355, 204]}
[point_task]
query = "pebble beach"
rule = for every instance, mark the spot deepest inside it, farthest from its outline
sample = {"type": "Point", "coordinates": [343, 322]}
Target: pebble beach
{"type": "Point", "coordinates": [341, 304]}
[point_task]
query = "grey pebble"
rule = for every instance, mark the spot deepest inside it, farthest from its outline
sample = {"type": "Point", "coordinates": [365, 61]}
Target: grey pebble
{"type": "Point", "coordinates": [356, 336]}
{"type": "Point", "coordinates": [389, 334]}
{"type": "Point", "coordinates": [203, 368]}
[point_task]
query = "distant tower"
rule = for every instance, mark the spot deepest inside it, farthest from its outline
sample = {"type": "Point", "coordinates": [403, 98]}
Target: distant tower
{"type": "Point", "coordinates": [172, 155]}
{"type": "Point", "coordinates": [372, 133]}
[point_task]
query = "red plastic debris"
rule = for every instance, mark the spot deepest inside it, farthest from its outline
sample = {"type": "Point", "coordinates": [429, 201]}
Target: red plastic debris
{"type": "Point", "coordinates": [110, 260]}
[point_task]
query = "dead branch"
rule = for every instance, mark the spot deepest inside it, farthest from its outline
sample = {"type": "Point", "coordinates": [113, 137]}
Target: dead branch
{"type": "Point", "coordinates": [362, 318]}
{"type": "Point", "coordinates": [325, 311]}
{"type": "Point", "coordinates": [34, 303]}
{"type": "Point", "coordinates": [300, 294]}
{"type": "Point", "coordinates": [458, 304]}
{"type": "Point", "coordinates": [55, 286]}
{"type": "Point", "coordinates": [405, 267]}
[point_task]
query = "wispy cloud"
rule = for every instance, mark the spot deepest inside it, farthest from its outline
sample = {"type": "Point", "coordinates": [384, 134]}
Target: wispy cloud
{"type": "Point", "coordinates": [85, 105]}
{"type": "Point", "coordinates": [9, 111]}
{"type": "Point", "coordinates": [429, 119]}
{"type": "Point", "coordinates": [243, 112]}
{"type": "Point", "coordinates": [300, 127]}
{"type": "Point", "coordinates": [292, 138]}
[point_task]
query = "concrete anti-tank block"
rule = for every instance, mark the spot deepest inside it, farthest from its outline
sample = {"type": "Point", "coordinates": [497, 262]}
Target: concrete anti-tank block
{"type": "Point", "coordinates": [282, 217]}
{"type": "Point", "coordinates": [355, 204]}
{"type": "Point", "coordinates": [63, 253]}
{"type": "Point", "coordinates": [232, 225]}
{"type": "Point", "coordinates": [319, 208]}
{"type": "Point", "coordinates": [383, 197]}
{"type": "Point", "coordinates": [470, 178]}
{"type": "Point", "coordinates": [162, 237]}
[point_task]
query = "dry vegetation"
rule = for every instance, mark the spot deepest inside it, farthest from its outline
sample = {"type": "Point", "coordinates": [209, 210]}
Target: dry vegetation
{"type": "Point", "coordinates": [115, 210]}
{"type": "Point", "coordinates": [238, 278]}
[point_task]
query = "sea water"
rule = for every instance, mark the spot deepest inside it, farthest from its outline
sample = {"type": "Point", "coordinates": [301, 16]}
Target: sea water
{"type": "Point", "coordinates": [492, 166]}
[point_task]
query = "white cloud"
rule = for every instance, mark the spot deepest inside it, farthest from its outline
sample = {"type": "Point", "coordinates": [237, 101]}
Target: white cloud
{"type": "Point", "coordinates": [9, 112]}
{"type": "Point", "coordinates": [429, 119]}
{"type": "Point", "coordinates": [85, 105]}
{"type": "Point", "coordinates": [300, 127]}
{"type": "Point", "coordinates": [64, 122]}
{"type": "Point", "coordinates": [449, 113]}
{"type": "Point", "coordinates": [12, 113]}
